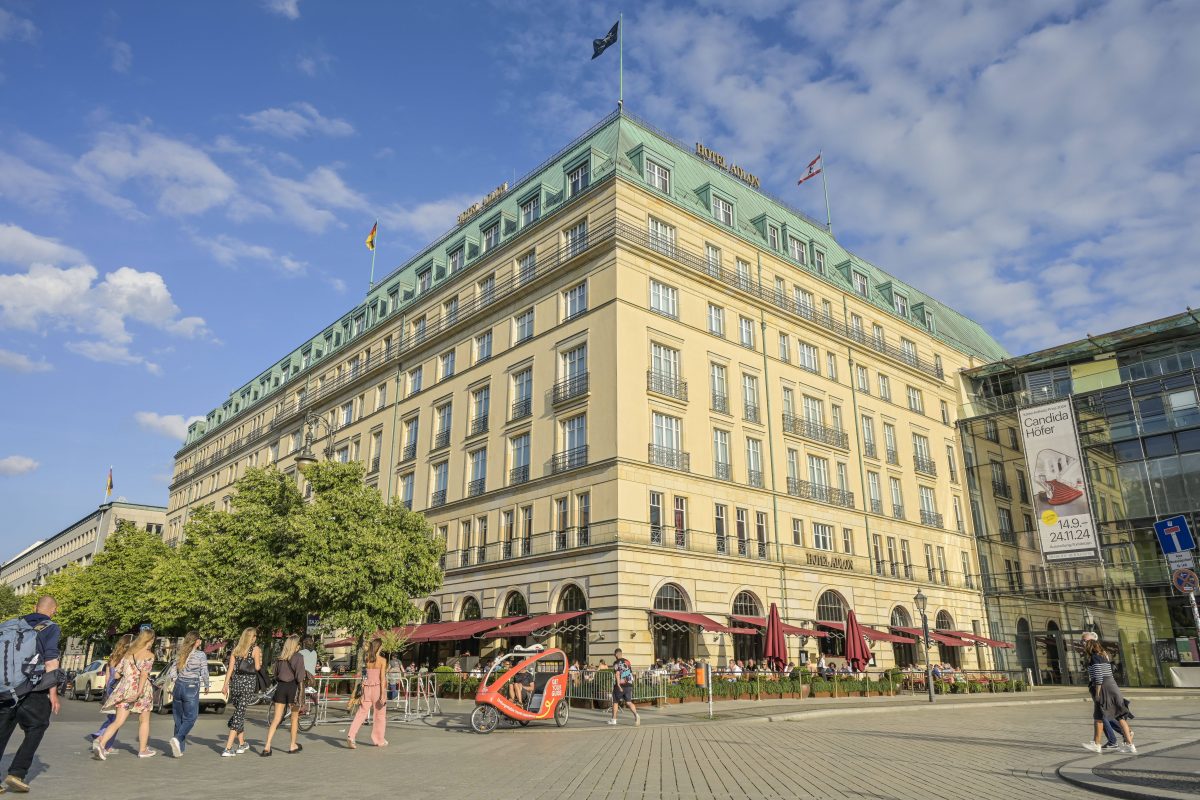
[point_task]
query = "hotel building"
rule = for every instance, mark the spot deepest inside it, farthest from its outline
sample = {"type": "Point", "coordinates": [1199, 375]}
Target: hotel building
{"type": "Point", "coordinates": [640, 400]}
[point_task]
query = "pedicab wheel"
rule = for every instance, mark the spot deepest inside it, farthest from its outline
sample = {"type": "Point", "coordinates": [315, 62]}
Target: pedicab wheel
{"type": "Point", "coordinates": [524, 723]}
{"type": "Point", "coordinates": [560, 713]}
{"type": "Point", "coordinates": [484, 719]}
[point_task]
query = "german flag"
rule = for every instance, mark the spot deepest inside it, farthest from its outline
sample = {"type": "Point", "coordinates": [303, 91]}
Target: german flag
{"type": "Point", "coordinates": [109, 486]}
{"type": "Point", "coordinates": [371, 237]}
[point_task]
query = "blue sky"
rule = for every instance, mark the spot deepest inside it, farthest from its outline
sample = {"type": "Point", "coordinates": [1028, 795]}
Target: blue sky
{"type": "Point", "coordinates": [184, 188]}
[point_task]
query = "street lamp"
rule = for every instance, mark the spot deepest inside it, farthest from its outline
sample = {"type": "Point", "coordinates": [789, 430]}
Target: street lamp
{"type": "Point", "coordinates": [922, 603]}
{"type": "Point", "coordinates": [306, 456]}
{"type": "Point", "coordinates": [1089, 621]}
{"type": "Point", "coordinates": [38, 579]}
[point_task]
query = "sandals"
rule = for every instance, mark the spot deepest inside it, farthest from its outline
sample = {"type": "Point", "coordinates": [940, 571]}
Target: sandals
{"type": "Point", "coordinates": [299, 747]}
{"type": "Point", "coordinates": [351, 744]}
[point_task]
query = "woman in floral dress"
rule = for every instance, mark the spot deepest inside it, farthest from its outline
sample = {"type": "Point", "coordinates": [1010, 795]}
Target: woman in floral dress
{"type": "Point", "coordinates": [133, 694]}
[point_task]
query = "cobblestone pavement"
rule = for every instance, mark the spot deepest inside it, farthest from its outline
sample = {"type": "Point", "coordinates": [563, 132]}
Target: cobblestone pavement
{"type": "Point", "coordinates": [951, 752]}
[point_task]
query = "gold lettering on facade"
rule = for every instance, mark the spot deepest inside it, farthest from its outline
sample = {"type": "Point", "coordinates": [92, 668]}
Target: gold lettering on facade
{"type": "Point", "coordinates": [475, 208]}
{"type": "Point", "coordinates": [834, 562]}
{"type": "Point", "coordinates": [718, 160]}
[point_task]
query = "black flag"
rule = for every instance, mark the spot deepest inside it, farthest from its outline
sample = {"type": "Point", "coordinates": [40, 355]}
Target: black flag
{"type": "Point", "coordinates": [600, 45]}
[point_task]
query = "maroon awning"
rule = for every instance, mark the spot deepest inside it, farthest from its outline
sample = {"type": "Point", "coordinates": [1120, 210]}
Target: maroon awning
{"type": "Point", "coordinates": [941, 637]}
{"type": "Point", "coordinates": [705, 623]}
{"type": "Point", "coordinates": [526, 627]}
{"type": "Point", "coordinates": [788, 630]}
{"type": "Point", "coordinates": [972, 637]}
{"type": "Point", "coordinates": [870, 633]}
{"type": "Point", "coordinates": [450, 631]}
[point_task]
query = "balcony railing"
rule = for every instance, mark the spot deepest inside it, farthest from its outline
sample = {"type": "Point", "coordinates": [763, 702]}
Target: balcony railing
{"type": "Point", "coordinates": [522, 408]}
{"type": "Point", "coordinates": [666, 384]}
{"type": "Point", "coordinates": [931, 518]}
{"type": "Point", "coordinates": [754, 477]}
{"type": "Point", "coordinates": [569, 388]}
{"type": "Point", "coordinates": [438, 499]}
{"type": "Point", "coordinates": [750, 412]}
{"type": "Point", "coordinates": [476, 487]}
{"type": "Point", "coordinates": [375, 464]}
{"type": "Point", "coordinates": [820, 492]}
{"type": "Point", "coordinates": [670, 458]}
{"type": "Point", "coordinates": [893, 457]}
{"type": "Point", "coordinates": [897, 511]}
{"type": "Point", "coordinates": [876, 506]}
{"type": "Point", "coordinates": [1002, 489]}
{"type": "Point", "coordinates": [442, 439]}
{"type": "Point", "coordinates": [479, 425]}
{"type": "Point", "coordinates": [720, 403]}
{"type": "Point", "coordinates": [924, 465]}
{"type": "Point", "coordinates": [670, 536]}
{"type": "Point", "coordinates": [815, 431]}
{"type": "Point", "coordinates": [569, 459]}
{"type": "Point", "coordinates": [722, 471]}
{"type": "Point", "coordinates": [518, 475]}
{"type": "Point", "coordinates": [409, 452]}
{"type": "Point", "coordinates": [869, 450]}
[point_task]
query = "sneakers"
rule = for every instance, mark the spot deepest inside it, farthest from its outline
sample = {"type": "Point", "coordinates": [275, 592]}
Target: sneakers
{"type": "Point", "coordinates": [1110, 748]}
{"type": "Point", "coordinates": [241, 748]}
{"type": "Point", "coordinates": [1095, 748]}
{"type": "Point", "coordinates": [228, 754]}
{"type": "Point", "coordinates": [611, 722]}
{"type": "Point", "coordinates": [98, 751]}
{"type": "Point", "coordinates": [1130, 748]}
{"type": "Point", "coordinates": [176, 749]}
{"type": "Point", "coordinates": [637, 720]}
{"type": "Point", "coordinates": [149, 752]}
{"type": "Point", "coordinates": [14, 784]}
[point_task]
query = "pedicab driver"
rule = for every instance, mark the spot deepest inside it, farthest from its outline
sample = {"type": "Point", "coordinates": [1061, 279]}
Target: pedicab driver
{"type": "Point", "coordinates": [622, 693]}
{"type": "Point", "coordinates": [520, 688]}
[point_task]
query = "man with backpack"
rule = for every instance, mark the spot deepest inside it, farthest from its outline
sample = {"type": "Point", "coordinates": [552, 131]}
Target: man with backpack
{"type": "Point", "coordinates": [29, 659]}
{"type": "Point", "coordinates": [622, 693]}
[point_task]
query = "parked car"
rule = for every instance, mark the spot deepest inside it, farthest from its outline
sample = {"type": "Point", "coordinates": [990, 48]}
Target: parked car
{"type": "Point", "coordinates": [214, 698]}
{"type": "Point", "coordinates": [88, 684]}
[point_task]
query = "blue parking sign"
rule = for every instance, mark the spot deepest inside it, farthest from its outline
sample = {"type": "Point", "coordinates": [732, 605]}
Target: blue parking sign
{"type": "Point", "coordinates": [1174, 536]}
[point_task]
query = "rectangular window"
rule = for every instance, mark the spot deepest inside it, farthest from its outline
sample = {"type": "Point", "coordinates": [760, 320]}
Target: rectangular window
{"type": "Point", "coordinates": [662, 237]}
{"type": "Point", "coordinates": [380, 396]}
{"type": "Point", "coordinates": [773, 237]}
{"type": "Point", "coordinates": [720, 388]}
{"type": "Point", "coordinates": [680, 521]}
{"type": "Point", "coordinates": [901, 305]}
{"type": "Point", "coordinates": [797, 250]}
{"type": "Point", "coordinates": [444, 415]}
{"type": "Point", "coordinates": [928, 499]}
{"type": "Point", "coordinates": [666, 431]}
{"type": "Point", "coordinates": [860, 284]}
{"type": "Point", "coordinates": [868, 435]}
{"type": "Point", "coordinates": [804, 301]}
{"type": "Point", "coordinates": [491, 237]}
{"type": "Point", "coordinates": [575, 300]}
{"type": "Point", "coordinates": [885, 387]}
{"type": "Point", "coordinates": [818, 471]}
{"type": "Point", "coordinates": [577, 179]}
{"type": "Point", "coordinates": [793, 466]}
{"type": "Point", "coordinates": [908, 350]}
{"type": "Point", "coordinates": [746, 332]}
{"type": "Point", "coordinates": [716, 320]}
{"type": "Point", "coordinates": [952, 463]}
{"type": "Point", "coordinates": [526, 267]}
{"type": "Point", "coordinates": [931, 575]}
{"type": "Point", "coordinates": [742, 532]}
{"type": "Point", "coordinates": [447, 362]}
{"type": "Point", "coordinates": [750, 397]}
{"type": "Point", "coordinates": [873, 490]}
{"type": "Point", "coordinates": [486, 290]}
{"type": "Point", "coordinates": [480, 404]}
{"type": "Point", "coordinates": [574, 433]}
{"type": "Point", "coordinates": [664, 362]}
{"type": "Point", "coordinates": [519, 452]}
{"type": "Point", "coordinates": [822, 536]}
{"type": "Point", "coordinates": [656, 517]}
{"type": "Point", "coordinates": [457, 260]}
{"type": "Point", "coordinates": [760, 532]}
{"type": "Point", "coordinates": [814, 410]}
{"type": "Point", "coordinates": [856, 324]}
{"type": "Point", "coordinates": [347, 415]}
{"type": "Point", "coordinates": [754, 462]}
{"type": "Point", "coordinates": [897, 498]}
{"type": "Point", "coordinates": [878, 335]}
{"type": "Point", "coordinates": [658, 176]}
{"type": "Point", "coordinates": [712, 257]}
{"type": "Point", "coordinates": [819, 257]}
{"type": "Point", "coordinates": [966, 568]}
{"type": "Point", "coordinates": [743, 274]}
{"type": "Point", "coordinates": [574, 362]}
{"type": "Point", "coordinates": [407, 485]}
{"type": "Point", "coordinates": [789, 400]}
{"type": "Point", "coordinates": [441, 476]}
{"type": "Point", "coordinates": [531, 210]}
{"type": "Point", "coordinates": [523, 326]}
{"type": "Point", "coordinates": [785, 348]}
{"type": "Point", "coordinates": [483, 346]}
{"type": "Point", "coordinates": [522, 393]}
{"type": "Point", "coordinates": [843, 477]}
{"type": "Point", "coordinates": [946, 412]}
{"type": "Point", "coordinates": [798, 532]}
{"type": "Point", "coordinates": [722, 210]}
{"type": "Point", "coordinates": [906, 558]}
{"type": "Point", "coordinates": [864, 380]}
{"type": "Point", "coordinates": [664, 299]}
{"type": "Point", "coordinates": [424, 280]}
{"type": "Point", "coordinates": [576, 239]}
{"type": "Point", "coordinates": [479, 465]}
{"type": "Point", "coordinates": [810, 358]}
{"type": "Point", "coordinates": [943, 575]}
{"type": "Point", "coordinates": [915, 401]}
{"type": "Point", "coordinates": [721, 453]}
{"type": "Point", "coordinates": [877, 552]}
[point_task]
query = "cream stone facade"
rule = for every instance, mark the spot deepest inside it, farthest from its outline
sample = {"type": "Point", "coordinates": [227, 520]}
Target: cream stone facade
{"type": "Point", "coordinates": [636, 384]}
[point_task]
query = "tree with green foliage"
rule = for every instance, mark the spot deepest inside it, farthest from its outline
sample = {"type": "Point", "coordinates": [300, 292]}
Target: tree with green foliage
{"type": "Point", "coordinates": [10, 604]}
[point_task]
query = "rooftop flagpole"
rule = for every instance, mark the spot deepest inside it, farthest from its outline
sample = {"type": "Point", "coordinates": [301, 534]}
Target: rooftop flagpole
{"type": "Point", "coordinates": [825, 186]}
{"type": "Point", "coordinates": [371, 245]}
{"type": "Point", "coordinates": [620, 60]}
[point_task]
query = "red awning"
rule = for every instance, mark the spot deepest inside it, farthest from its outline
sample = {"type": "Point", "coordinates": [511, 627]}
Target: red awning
{"type": "Point", "coordinates": [467, 629]}
{"type": "Point", "coordinates": [705, 623]}
{"type": "Point", "coordinates": [788, 630]}
{"type": "Point", "coordinates": [526, 627]}
{"type": "Point", "coordinates": [340, 643]}
{"type": "Point", "coordinates": [972, 637]}
{"type": "Point", "coordinates": [941, 637]}
{"type": "Point", "coordinates": [870, 633]}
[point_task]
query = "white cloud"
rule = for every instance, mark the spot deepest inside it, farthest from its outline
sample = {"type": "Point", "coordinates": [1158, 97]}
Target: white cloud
{"type": "Point", "coordinates": [26, 184]}
{"type": "Point", "coordinates": [121, 54]}
{"type": "Point", "coordinates": [17, 465]}
{"type": "Point", "coordinates": [19, 362]}
{"type": "Point", "coordinates": [427, 219]}
{"type": "Point", "coordinates": [229, 250]}
{"type": "Point", "coordinates": [314, 61]}
{"type": "Point", "coordinates": [19, 246]}
{"type": "Point", "coordinates": [300, 119]}
{"type": "Point", "coordinates": [284, 8]}
{"type": "Point", "coordinates": [307, 202]}
{"type": "Point", "coordinates": [16, 28]}
{"type": "Point", "coordinates": [172, 425]}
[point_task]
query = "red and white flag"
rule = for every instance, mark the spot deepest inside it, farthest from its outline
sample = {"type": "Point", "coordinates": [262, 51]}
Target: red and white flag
{"type": "Point", "coordinates": [813, 170]}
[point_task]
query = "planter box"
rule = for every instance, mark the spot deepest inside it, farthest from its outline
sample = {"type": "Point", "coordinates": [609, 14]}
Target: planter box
{"type": "Point", "coordinates": [822, 694]}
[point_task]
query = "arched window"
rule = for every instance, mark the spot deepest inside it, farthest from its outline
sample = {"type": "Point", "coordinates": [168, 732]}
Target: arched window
{"type": "Point", "coordinates": [572, 599]}
{"type": "Point", "coordinates": [432, 612]}
{"type": "Point", "coordinates": [831, 607]}
{"type": "Point", "coordinates": [573, 637]}
{"type": "Point", "coordinates": [944, 622]}
{"type": "Point", "coordinates": [670, 598]}
{"type": "Point", "coordinates": [746, 605]}
{"type": "Point", "coordinates": [904, 653]}
{"type": "Point", "coordinates": [947, 654]}
{"type": "Point", "coordinates": [515, 606]}
{"type": "Point", "coordinates": [470, 609]}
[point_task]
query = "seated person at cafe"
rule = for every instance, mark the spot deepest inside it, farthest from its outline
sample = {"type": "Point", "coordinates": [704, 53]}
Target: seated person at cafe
{"type": "Point", "coordinates": [520, 688]}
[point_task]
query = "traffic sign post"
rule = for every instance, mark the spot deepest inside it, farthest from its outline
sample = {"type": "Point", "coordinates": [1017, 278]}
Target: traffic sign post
{"type": "Point", "coordinates": [1174, 536]}
{"type": "Point", "coordinates": [1188, 582]}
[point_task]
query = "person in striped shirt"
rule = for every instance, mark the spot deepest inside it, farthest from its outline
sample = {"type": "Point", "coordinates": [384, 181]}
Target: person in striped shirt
{"type": "Point", "coordinates": [1110, 730]}
{"type": "Point", "coordinates": [1108, 703]}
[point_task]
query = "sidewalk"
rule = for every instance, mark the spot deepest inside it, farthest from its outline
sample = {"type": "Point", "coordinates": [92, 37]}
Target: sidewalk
{"type": "Point", "coordinates": [1165, 771]}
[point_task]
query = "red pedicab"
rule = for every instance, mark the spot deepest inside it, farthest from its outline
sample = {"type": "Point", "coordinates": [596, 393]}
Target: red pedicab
{"type": "Point", "coordinates": [546, 695]}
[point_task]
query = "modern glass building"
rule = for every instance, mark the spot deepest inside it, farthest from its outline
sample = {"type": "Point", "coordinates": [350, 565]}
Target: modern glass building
{"type": "Point", "coordinates": [1134, 394]}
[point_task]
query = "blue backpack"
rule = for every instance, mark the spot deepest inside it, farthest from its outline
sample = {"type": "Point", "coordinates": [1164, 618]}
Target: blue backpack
{"type": "Point", "coordinates": [21, 665]}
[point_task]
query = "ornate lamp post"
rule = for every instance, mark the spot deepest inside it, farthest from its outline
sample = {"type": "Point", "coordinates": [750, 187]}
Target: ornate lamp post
{"type": "Point", "coordinates": [306, 456]}
{"type": "Point", "coordinates": [922, 603]}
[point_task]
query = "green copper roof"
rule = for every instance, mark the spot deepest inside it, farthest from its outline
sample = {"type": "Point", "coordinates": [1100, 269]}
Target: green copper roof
{"type": "Point", "coordinates": [620, 142]}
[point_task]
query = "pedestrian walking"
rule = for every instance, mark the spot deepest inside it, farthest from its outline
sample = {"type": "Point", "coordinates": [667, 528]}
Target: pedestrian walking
{"type": "Point", "coordinates": [375, 668]}
{"type": "Point", "coordinates": [189, 670]}
{"type": "Point", "coordinates": [110, 681]}
{"type": "Point", "coordinates": [622, 692]}
{"type": "Point", "coordinates": [1108, 702]}
{"type": "Point", "coordinates": [240, 687]}
{"type": "Point", "coordinates": [289, 686]}
{"type": "Point", "coordinates": [1110, 729]}
{"type": "Point", "coordinates": [133, 694]}
{"type": "Point", "coordinates": [29, 687]}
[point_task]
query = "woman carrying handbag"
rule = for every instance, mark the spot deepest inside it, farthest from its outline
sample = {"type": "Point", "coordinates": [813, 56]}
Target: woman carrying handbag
{"type": "Point", "coordinates": [289, 687]}
{"type": "Point", "coordinates": [244, 663]}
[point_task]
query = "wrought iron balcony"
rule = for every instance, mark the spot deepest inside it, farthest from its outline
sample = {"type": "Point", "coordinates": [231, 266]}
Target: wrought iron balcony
{"type": "Point", "coordinates": [924, 465]}
{"type": "Point", "coordinates": [476, 487]}
{"type": "Point", "coordinates": [479, 425]}
{"type": "Point", "coordinates": [571, 387]}
{"type": "Point", "coordinates": [438, 499]}
{"type": "Point", "coordinates": [820, 493]}
{"type": "Point", "coordinates": [1002, 489]}
{"type": "Point", "coordinates": [522, 408]}
{"type": "Point", "coordinates": [666, 384]}
{"type": "Point", "coordinates": [569, 459]}
{"type": "Point", "coordinates": [750, 412]}
{"type": "Point", "coordinates": [671, 458]}
{"type": "Point", "coordinates": [442, 439]}
{"type": "Point", "coordinates": [876, 506]}
{"type": "Point", "coordinates": [722, 544]}
{"type": "Point", "coordinates": [893, 457]}
{"type": "Point", "coordinates": [518, 475]}
{"type": "Point", "coordinates": [481, 554]}
{"type": "Point", "coordinates": [931, 518]}
{"type": "Point", "coordinates": [722, 471]}
{"type": "Point", "coordinates": [464, 557]}
{"type": "Point", "coordinates": [897, 511]}
{"type": "Point", "coordinates": [670, 537]}
{"type": "Point", "coordinates": [409, 452]}
{"type": "Point", "coordinates": [374, 465]}
{"type": "Point", "coordinates": [869, 450]}
{"type": "Point", "coordinates": [407, 504]}
{"type": "Point", "coordinates": [720, 403]}
{"type": "Point", "coordinates": [754, 477]}
{"type": "Point", "coordinates": [815, 431]}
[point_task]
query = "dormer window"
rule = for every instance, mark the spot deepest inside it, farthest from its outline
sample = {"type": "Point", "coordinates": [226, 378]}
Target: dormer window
{"type": "Point", "coordinates": [723, 210]}
{"type": "Point", "coordinates": [658, 176]}
{"type": "Point", "coordinates": [819, 259]}
{"type": "Point", "coordinates": [901, 303]}
{"type": "Point", "coordinates": [457, 260]}
{"type": "Point", "coordinates": [797, 250]}
{"type": "Point", "coordinates": [773, 237]}
{"type": "Point", "coordinates": [491, 236]}
{"type": "Point", "coordinates": [531, 209]}
{"type": "Point", "coordinates": [577, 179]}
{"type": "Point", "coordinates": [929, 320]}
{"type": "Point", "coordinates": [424, 280]}
{"type": "Point", "coordinates": [860, 284]}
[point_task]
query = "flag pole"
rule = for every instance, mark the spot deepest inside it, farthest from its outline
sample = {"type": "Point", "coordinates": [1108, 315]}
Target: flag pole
{"type": "Point", "coordinates": [620, 60]}
{"type": "Point", "coordinates": [375, 246]}
{"type": "Point", "coordinates": [825, 186]}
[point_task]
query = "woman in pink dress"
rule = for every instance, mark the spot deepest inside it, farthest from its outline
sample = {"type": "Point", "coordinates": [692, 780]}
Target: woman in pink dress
{"type": "Point", "coordinates": [133, 694]}
{"type": "Point", "coordinates": [374, 670]}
